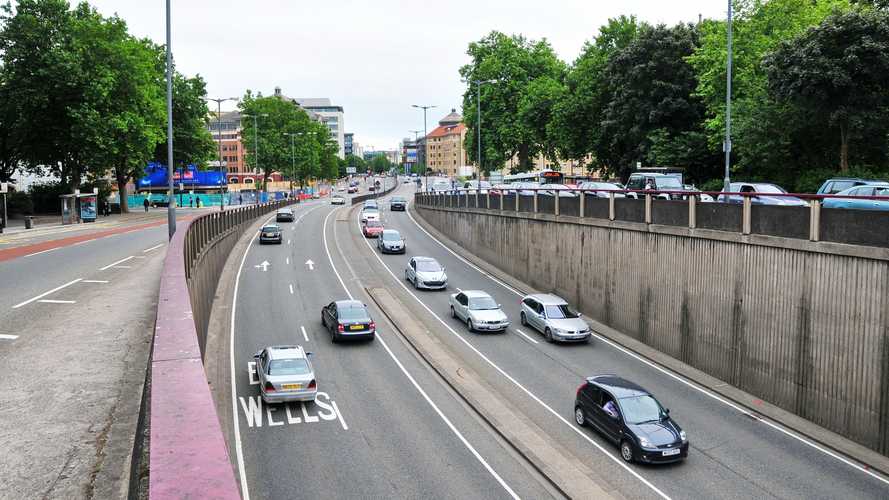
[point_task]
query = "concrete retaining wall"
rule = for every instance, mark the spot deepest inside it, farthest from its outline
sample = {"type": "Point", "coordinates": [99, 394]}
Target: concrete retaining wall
{"type": "Point", "coordinates": [804, 326]}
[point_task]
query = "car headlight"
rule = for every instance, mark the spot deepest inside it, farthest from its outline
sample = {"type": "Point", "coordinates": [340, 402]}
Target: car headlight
{"type": "Point", "coordinates": [682, 436]}
{"type": "Point", "coordinates": [644, 442]}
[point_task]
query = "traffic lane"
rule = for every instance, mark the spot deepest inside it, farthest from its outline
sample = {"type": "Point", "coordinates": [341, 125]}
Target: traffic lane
{"type": "Point", "coordinates": [392, 447]}
{"type": "Point", "coordinates": [26, 277]}
{"type": "Point", "coordinates": [746, 451]}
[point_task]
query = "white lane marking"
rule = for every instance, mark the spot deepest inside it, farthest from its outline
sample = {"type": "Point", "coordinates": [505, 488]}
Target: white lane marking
{"type": "Point", "coordinates": [96, 281]}
{"type": "Point", "coordinates": [515, 382]}
{"type": "Point", "coordinates": [8, 337]}
{"type": "Point", "coordinates": [44, 294]}
{"type": "Point", "coordinates": [53, 301]}
{"type": "Point", "coordinates": [305, 335]}
{"type": "Point", "coordinates": [288, 242]}
{"type": "Point", "coordinates": [121, 261]}
{"type": "Point", "coordinates": [123, 267]}
{"type": "Point", "coordinates": [675, 376]}
{"type": "Point", "coordinates": [288, 261]}
{"type": "Point", "coordinates": [339, 415]}
{"type": "Point", "coordinates": [155, 247]}
{"type": "Point", "coordinates": [419, 389]}
{"type": "Point", "coordinates": [523, 334]}
{"type": "Point", "coordinates": [291, 289]}
{"type": "Point", "coordinates": [140, 257]}
{"type": "Point", "coordinates": [82, 242]}
{"type": "Point", "coordinates": [43, 251]}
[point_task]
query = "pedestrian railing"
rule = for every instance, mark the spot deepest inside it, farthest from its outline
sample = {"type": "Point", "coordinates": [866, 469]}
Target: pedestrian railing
{"type": "Point", "coordinates": [790, 215]}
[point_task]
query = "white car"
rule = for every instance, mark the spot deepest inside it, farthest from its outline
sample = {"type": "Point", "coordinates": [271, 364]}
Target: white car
{"type": "Point", "coordinates": [426, 272]}
{"type": "Point", "coordinates": [337, 200]}
{"type": "Point", "coordinates": [479, 311]}
{"type": "Point", "coordinates": [369, 214]}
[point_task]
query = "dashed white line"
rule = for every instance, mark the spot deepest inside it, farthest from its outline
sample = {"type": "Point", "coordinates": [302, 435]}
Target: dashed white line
{"type": "Point", "coordinates": [407, 374]}
{"type": "Point", "coordinates": [523, 334]}
{"type": "Point", "coordinates": [140, 257]}
{"type": "Point", "coordinates": [305, 335]}
{"type": "Point", "coordinates": [121, 261]}
{"type": "Point", "coordinates": [13, 337]}
{"type": "Point", "coordinates": [43, 251]}
{"type": "Point", "coordinates": [288, 242]}
{"type": "Point", "coordinates": [291, 289]}
{"type": "Point", "coordinates": [123, 267]}
{"type": "Point", "coordinates": [96, 281]}
{"type": "Point", "coordinates": [155, 247]}
{"type": "Point", "coordinates": [339, 415]}
{"type": "Point", "coordinates": [287, 261]}
{"type": "Point", "coordinates": [53, 301]}
{"type": "Point", "coordinates": [44, 294]}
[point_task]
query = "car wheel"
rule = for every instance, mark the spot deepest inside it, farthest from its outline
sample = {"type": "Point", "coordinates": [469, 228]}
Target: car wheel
{"type": "Point", "coordinates": [579, 417]}
{"type": "Point", "coordinates": [469, 325]}
{"type": "Point", "coordinates": [626, 451]}
{"type": "Point", "coordinates": [522, 319]}
{"type": "Point", "coordinates": [323, 321]}
{"type": "Point", "coordinates": [548, 334]}
{"type": "Point", "coordinates": [453, 312]}
{"type": "Point", "coordinates": [335, 338]}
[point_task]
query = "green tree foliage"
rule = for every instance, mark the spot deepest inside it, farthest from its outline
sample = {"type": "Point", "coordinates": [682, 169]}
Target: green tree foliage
{"type": "Point", "coordinates": [651, 115]}
{"type": "Point", "coordinates": [574, 126]}
{"type": "Point", "coordinates": [192, 141]}
{"type": "Point", "coordinates": [838, 72]}
{"type": "Point", "coordinates": [379, 164]}
{"type": "Point", "coordinates": [525, 80]}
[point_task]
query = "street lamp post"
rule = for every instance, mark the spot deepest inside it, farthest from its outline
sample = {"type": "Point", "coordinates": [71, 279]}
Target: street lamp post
{"type": "Point", "coordinates": [425, 156]}
{"type": "Point", "coordinates": [219, 102]}
{"type": "Point", "coordinates": [171, 204]}
{"type": "Point", "coordinates": [256, 142]}
{"type": "Point", "coordinates": [292, 161]}
{"type": "Point", "coordinates": [478, 96]}
{"type": "Point", "coordinates": [416, 145]}
{"type": "Point", "coordinates": [727, 145]}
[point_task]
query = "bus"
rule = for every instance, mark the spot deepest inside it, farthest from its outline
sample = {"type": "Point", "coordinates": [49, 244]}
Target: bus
{"type": "Point", "coordinates": [541, 177]}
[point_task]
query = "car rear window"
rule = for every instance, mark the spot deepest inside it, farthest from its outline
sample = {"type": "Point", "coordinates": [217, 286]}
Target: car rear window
{"type": "Point", "coordinates": [353, 314]}
{"type": "Point", "coordinates": [296, 366]}
{"type": "Point", "coordinates": [374, 223]}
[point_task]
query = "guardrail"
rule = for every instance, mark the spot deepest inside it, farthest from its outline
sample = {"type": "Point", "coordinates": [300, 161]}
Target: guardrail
{"type": "Point", "coordinates": [375, 194]}
{"type": "Point", "coordinates": [742, 213]}
{"type": "Point", "coordinates": [188, 457]}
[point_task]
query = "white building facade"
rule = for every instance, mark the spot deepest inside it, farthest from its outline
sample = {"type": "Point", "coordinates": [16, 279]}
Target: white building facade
{"type": "Point", "coordinates": [331, 115]}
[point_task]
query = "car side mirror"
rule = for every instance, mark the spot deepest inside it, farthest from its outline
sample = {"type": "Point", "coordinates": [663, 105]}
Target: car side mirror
{"type": "Point", "coordinates": [310, 354]}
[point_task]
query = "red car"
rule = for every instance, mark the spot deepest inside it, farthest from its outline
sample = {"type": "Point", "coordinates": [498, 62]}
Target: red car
{"type": "Point", "coordinates": [372, 228]}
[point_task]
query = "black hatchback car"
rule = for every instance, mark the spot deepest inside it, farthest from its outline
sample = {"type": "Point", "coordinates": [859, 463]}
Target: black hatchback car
{"type": "Point", "coordinates": [397, 203]}
{"type": "Point", "coordinates": [271, 233]}
{"type": "Point", "coordinates": [284, 215]}
{"type": "Point", "coordinates": [348, 319]}
{"type": "Point", "coordinates": [631, 418]}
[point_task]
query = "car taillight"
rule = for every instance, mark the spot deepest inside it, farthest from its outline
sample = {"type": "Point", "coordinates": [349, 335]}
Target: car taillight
{"type": "Point", "coordinates": [269, 387]}
{"type": "Point", "coordinates": [312, 385]}
{"type": "Point", "coordinates": [373, 326]}
{"type": "Point", "coordinates": [340, 328]}
{"type": "Point", "coordinates": [579, 388]}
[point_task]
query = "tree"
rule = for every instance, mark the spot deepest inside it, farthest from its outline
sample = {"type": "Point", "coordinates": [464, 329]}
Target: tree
{"type": "Point", "coordinates": [192, 141]}
{"type": "Point", "coordinates": [574, 125]}
{"type": "Point", "coordinates": [837, 72]}
{"type": "Point", "coordinates": [652, 115]}
{"type": "Point", "coordinates": [524, 74]}
{"type": "Point", "coordinates": [379, 164]}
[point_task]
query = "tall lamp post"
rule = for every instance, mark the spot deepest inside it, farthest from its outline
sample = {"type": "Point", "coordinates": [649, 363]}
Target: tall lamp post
{"type": "Point", "coordinates": [425, 168]}
{"type": "Point", "coordinates": [292, 161]}
{"type": "Point", "coordinates": [478, 96]}
{"type": "Point", "coordinates": [256, 142]}
{"type": "Point", "coordinates": [171, 204]}
{"type": "Point", "coordinates": [727, 145]}
{"type": "Point", "coordinates": [219, 102]}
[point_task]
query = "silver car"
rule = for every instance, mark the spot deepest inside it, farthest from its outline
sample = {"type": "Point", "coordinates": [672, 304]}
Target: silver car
{"type": "Point", "coordinates": [285, 374]}
{"type": "Point", "coordinates": [426, 272]}
{"type": "Point", "coordinates": [479, 311]}
{"type": "Point", "coordinates": [390, 241]}
{"type": "Point", "coordinates": [551, 316]}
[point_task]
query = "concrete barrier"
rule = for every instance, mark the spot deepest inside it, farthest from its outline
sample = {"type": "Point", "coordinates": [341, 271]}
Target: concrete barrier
{"type": "Point", "coordinates": [802, 325]}
{"type": "Point", "coordinates": [360, 199]}
{"type": "Point", "coordinates": [188, 457]}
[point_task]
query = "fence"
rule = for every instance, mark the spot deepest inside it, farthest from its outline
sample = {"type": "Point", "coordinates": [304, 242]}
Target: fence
{"type": "Point", "coordinates": [369, 196]}
{"type": "Point", "coordinates": [188, 457]}
{"type": "Point", "coordinates": [807, 220]}
{"type": "Point", "coordinates": [797, 323]}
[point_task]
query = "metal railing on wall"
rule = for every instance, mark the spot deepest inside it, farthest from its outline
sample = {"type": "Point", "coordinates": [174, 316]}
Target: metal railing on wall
{"type": "Point", "coordinates": [800, 216]}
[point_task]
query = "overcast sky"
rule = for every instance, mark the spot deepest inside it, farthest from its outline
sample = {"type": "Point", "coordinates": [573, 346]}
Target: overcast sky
{"type": "Point", "coordinates": [373, 57]}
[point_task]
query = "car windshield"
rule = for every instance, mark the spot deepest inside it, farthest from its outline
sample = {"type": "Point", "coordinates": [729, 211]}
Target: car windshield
{"type": "Point", "coordinates": [428, 266]}
{"type": "Point", "coordinates": [669, 183]}
{"type": "Point", "coordinates": [391, 236]}
{"type": "Point", "coordinates": [641, 409]}
{"type": "Point", "coordinates": [372, 210]}
{"type": "Point", "coordinates": [561, 311]}
{"type": "Point", "coordinates": [296, 366]}
{"type": "Point", "coordinates": [353, 314]}
{"type": "Point", "coordinates": [482, 304]}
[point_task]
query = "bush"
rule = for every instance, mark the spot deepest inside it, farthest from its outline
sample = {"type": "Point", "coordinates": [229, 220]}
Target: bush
{"type": "Point", "coordinates": [45, 197]}
{"type": "Point", "coordinates": [19, 203]}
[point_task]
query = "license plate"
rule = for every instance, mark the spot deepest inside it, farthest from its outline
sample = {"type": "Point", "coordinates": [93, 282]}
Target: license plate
{"type": "Point", "coordinates": [356, 327]}
{"type": "Point", "coordinates": [291, 387]}
{"type": "Point", "coordinates": [667, 453]}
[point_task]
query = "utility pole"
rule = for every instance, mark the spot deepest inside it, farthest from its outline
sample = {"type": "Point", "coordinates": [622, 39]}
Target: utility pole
{"type": "Point", "coordinates": [425, 133]}
{"type": "Point", "coordinates": [171, 204]}
{"type": "Point", "coordinates": [219, 102]}
{"type": "Point", "coordinates": [727, 145]}
{"type": "Point", "coordinates": [478, 95]}
{"type": "Point", "coordinates": [256, 146]}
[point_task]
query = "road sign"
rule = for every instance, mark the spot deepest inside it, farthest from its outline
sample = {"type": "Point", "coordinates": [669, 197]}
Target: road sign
{"type": "Point", "coordinates": [4, 187]}
{"type": "Point", "coordinates": [350, 170]}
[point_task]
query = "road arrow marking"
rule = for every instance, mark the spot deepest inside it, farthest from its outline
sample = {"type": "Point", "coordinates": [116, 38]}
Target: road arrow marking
{"type": "Point", "coordinates": [310, 264]}
{"type": "Point", "coordinates": [265, 266]}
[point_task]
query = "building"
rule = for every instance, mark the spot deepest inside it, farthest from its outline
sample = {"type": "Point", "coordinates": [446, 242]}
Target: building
{"type": "Point", "coordinates": [444, 146]}
{"type": "Point", "coordinates": [347, 143]}
{"type": "Point", "coordinates": [226, 128]}
{"type": "Point", "coordinates": [409, 155]}
{"type": "Point", "coordinates": [331, 115]}
{"type": "Point", "coordinates": [421, 152]}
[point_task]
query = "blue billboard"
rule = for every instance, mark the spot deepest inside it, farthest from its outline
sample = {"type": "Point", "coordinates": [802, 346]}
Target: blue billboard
{"type": "Point", "coordinates": [190, 178]}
